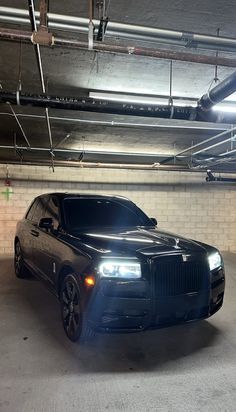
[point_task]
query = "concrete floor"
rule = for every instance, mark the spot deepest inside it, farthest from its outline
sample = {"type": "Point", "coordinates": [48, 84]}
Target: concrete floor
{"type": "Point", "coordinates": [185, 368]}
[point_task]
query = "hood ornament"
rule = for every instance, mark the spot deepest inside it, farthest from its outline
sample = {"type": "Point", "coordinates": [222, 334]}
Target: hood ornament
{"type": "Point", "coordinates": [176, 246]}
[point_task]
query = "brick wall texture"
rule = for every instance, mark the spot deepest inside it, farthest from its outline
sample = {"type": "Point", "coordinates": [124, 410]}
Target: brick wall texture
{"type": "Point", "coordinates": [182, 202]}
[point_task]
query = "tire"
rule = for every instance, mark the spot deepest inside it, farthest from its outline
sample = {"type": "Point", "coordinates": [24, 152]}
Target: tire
{"type": "Point", "coordinates": [20, 269]}
{"type": "Point", "coordinates": [72, 317]}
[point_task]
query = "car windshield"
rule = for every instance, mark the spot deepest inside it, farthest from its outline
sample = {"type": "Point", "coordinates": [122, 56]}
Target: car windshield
{"type": "Point", "coordinates": [94, 212]}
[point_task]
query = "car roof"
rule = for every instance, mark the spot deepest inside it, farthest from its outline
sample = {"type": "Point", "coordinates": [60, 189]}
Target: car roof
{"type": "Point", "coordinates": [83, 195]}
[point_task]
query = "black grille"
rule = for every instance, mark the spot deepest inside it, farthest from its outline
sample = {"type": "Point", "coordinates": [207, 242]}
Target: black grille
{"type": "Point", "coordinates": [178, 278]}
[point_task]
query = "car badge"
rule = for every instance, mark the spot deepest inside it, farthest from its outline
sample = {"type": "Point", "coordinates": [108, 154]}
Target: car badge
{"type": "Point", "coordinates": [176, 243]}
{"type": "Point", "coordinates": [184, 257]}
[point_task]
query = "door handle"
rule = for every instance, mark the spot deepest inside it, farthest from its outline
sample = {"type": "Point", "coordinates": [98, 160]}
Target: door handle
{"type": "Point", "coordinates": [34, 233]}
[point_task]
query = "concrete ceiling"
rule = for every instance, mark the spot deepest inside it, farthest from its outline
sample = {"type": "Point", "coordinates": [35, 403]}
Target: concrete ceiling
{"type": "Point", "coordinates": [71, 72]}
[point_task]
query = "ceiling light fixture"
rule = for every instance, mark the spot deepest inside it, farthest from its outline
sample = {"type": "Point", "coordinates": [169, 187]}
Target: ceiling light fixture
{"type": "Point", "coordinates": [127, 98]}
{"type": "Point", "coordinates": [136, 99]}
{"type": "Point", "coordinates": [225, 108]}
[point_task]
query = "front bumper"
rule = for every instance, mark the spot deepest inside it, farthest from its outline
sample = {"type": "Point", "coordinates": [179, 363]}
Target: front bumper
{"type": "Point", "coordinates": [130, 307]}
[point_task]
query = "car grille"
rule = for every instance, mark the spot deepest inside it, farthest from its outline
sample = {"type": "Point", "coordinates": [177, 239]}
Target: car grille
{"type": "Point", "coordinates": [178, 278]}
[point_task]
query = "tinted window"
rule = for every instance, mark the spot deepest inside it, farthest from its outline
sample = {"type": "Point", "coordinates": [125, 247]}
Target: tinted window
{"type": "Point", "coordinates": [102, 212]}
{"type": "Point", "coordinates": [40, 210]}
{"type": "Point", "coordinates": [31, 211]}
{"type": "Point", "coordinates": [52, 211]}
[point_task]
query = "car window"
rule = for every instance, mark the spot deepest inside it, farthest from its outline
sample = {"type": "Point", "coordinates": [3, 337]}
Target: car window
{"type": "Point", "coordinates": [31, 210]}
{"type": "Point", "coordinates": [52, 211]}
{"type": "Point", "coordinates": [102, 212]}
{"type": "Point", "coordinates": [39, 210]}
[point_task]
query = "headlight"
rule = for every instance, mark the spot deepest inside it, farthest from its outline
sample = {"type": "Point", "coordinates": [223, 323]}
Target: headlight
{"type": "Point", "coordinates": [214, 260]}
{"type": "Point", "coordinates": [115, 268]}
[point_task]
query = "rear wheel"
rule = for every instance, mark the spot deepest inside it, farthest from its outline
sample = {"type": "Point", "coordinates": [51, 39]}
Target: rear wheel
{"type": "Point", "coordinates": [73, 322]}
{"type": "Point", "coordinates": [20, 270]}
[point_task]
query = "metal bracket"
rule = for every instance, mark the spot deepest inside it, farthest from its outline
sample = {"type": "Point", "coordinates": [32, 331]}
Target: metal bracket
{"type": "Point", "coordinates": [90, 35]}
{"type": "Point", "coordinates": [43, 38]}
{"type": "Point", "coordinates": [189, 39]}
{"type": "Point", "coordinates": [102, 28]}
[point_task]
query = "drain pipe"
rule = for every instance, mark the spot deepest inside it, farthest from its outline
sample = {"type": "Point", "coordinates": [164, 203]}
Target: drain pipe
{"type": "Point", "coordinates": [211, 178]}
{"type": "Point", "coordinates": [218, 93]}
{"type": "Point", "coordinates": [102, 106]}
{"type": "Point", "coordinates": [98, 106]}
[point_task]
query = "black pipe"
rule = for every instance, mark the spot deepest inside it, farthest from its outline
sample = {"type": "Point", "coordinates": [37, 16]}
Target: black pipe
{"type": "Point", "coordinates": [218, 93]}
{"type": "Point", "coordinates": [211, 178]}
{"type": "Point", "coordinates": [99, 106]}
{"type": "Point", "coordinates": [103, 106]}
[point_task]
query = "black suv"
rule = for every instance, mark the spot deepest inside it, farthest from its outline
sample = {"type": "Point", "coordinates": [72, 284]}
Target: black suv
{"type": "Point", "coordinates": [112, 269]}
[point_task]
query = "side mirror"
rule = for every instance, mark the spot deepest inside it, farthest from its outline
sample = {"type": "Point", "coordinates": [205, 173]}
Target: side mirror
{"type": "Point", "coordinates": [153, 219]}
{"type": "Point", "coordinates": [46, 223]}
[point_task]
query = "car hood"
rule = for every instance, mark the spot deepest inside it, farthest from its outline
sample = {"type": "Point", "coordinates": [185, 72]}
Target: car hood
{"type": "Point", "coordinates": [136, 241]}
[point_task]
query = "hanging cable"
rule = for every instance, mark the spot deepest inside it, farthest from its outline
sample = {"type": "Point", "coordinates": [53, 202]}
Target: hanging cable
{"type": "Point", "coordinates": [215, 79]}
{"type": "Point", "coordinates": [170, 101]}
{"type": "Point", "coordinates": [91, 25]}
{"type": "Point", "coordinates": [20, 69]}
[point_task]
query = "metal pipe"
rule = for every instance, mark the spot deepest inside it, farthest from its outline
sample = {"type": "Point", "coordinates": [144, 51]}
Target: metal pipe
{"type": "Point", "coordinates": [43, 26]}
{"type": "Point", "coordinates": [147, 52]}
{"type": "Point", "coordinates": [216, 162]}
{"type": "Point", "coordinates": [36, 46]}
{"type": "Point", "coordinates": [43, 9]}
{"type": "Point", "coordinates": [86, 152]}
{"type": "Point", "coordinates": [211, 178]}
{"type": "Point", "coordinates": [49, 127]}
{"type": "Point", "coordinates": [19, 124]}
{"type": "Point", "coordinates": [25, 36]}
{"type": "Point", "coordinates": [102, 106]}
{"type": "Point", "coordinates": [99, 106]}
{"type": "Point", "coordinates": [213, 146]}
{"type": "Point", "coordinates": [190, 148]}
{"type": "Point", "coordinates": [109, 107]}
{"type": "Point", "coordinates": [109, 166]}
{"type": "Point", "coordinates": [218, 93]}
{"type": "Point", "coordinates": [130, 31]}
{"type": "Point", "coordinates": [207, 140]}
{"type": "Point", "coordinates": [228, 152]}
{"type": "Point", "coordinates": [114, 123]}
{"type": "Point", "coordinates": [91, 165]}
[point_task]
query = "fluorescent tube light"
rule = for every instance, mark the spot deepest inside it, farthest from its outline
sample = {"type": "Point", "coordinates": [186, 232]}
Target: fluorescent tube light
{"type": "Point", "coordinates": [126, 98]}
{"type": "Point", "coordinates": [136, 99]}
{"type": "Point", "coordinates": [224, 108]}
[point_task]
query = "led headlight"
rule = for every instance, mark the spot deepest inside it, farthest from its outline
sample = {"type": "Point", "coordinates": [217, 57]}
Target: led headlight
{"type": "Point", "coordinates": [214, 260]}
{"type": "Point", "coordinates": [116, 268]}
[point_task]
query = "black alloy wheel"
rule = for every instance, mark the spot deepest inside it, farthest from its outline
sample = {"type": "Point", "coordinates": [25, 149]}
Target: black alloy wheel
{"type": "Point", "coordinates": [71, 312]}
{"type": "Point", "coordinates": [20, 270]}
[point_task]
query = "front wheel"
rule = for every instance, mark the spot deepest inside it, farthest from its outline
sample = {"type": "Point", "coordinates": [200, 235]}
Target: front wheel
{"type": "Point", "coordinates": [71, 311]}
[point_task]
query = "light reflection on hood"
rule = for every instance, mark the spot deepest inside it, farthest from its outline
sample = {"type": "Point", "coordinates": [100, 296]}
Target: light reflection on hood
{"type": "Point", "coordinates": [128, 239]}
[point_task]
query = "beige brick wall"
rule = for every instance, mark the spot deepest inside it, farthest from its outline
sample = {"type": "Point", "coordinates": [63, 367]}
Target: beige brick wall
{"type": "Point", "coordinates": [182, 202]}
